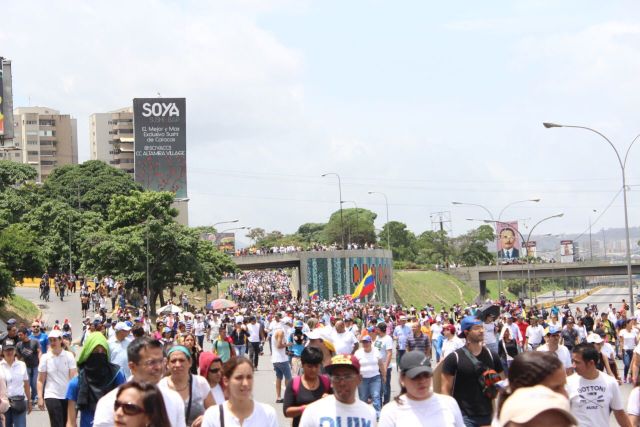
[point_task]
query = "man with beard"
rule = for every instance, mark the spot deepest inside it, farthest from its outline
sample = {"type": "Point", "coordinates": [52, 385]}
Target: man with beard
{"type": "Point", "coordinates": [96, 377]}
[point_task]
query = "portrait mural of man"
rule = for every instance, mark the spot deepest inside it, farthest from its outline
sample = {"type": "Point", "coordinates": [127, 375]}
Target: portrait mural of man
{"type": "Point", "coordinates": [508, 243]}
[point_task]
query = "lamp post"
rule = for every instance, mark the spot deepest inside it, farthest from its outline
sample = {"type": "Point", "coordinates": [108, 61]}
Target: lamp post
{"type": "Point", "coordinates": [354, 204]}
{"type": "Point", "coordinates": [623, 163]}
{"type": "Point", "coordinates": [386, 202]}
{"type": "Point", "coordinates": [497, 237]}
{"type": "Point", "coordinates": [235, 228]}
{"type": "Point", "coordinates": [340, 194]}
{"type": "Point", "coordinates": [590, 241]}
{"type": "Point", "coordinates": [225, 222]}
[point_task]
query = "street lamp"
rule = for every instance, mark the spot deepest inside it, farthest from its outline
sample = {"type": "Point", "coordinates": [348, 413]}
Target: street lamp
{"type": "Point", "coordinates": [235, 228]}
{"type": "Point", "coordinates": [340, 194]}
{"type": "Point", "coordinates": [354, 204]}
{"type": "Point", "coordinates": [590, 241]}
{"type": "Point", "coordinates": [386, 201]}
{"type": "Point", "coordinates": [623, 164]}
{"type": "Point", "coordinates": [225, 222]}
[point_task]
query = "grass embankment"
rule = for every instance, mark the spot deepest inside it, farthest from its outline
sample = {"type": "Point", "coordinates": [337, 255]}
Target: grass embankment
{"type": "Point", "coordinates": [419, 288]}
{"type": "Point", "coordinates": [20, 309]}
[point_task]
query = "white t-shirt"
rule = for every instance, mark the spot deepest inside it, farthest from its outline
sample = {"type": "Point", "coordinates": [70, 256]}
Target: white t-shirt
{"type": "Point", "coordinates": [198, 328]}
{"type": "Point", "coordinates": [329, 412]}
{"type": "Point", "coordinates": [563, 354]}
{"type": "Point", "coordinates": [58, 369]}
{"type": "Point", "coordinates": [490, 333]}
{"type": "Point", "coordinates": [15, 376]}
{"type": "Point", "coordinates": [263, 416]}
{"type": "Point", "coordinates": [629, 339]}
{"type": "Point", "coordinates": [200, 390]}
{"type": "Point", "coordinates": [172, 403]}
{"type": "Point", "coordinates": [436, 331]}
{"type": "Point", "coordinates": [592, 400]}
{"type": "Point", "coordinates": [535, 334]}
{"type": "Point", "coordinates": [344, 342]}
{"type": "Point", "coordinates": [383, 345]}
{"type": "Point", "coordinates": [438, 410]}
{"type": "Point", "coordinates": [369, 367]}
{"type": "Point", "coordinates": [633, 404]}
{"type": "Point", "coordinates": [254, 332]}
{"type": "Point", "coordinates": [218, 394]}
{"type": "Point", "coordinates": [609, 351]}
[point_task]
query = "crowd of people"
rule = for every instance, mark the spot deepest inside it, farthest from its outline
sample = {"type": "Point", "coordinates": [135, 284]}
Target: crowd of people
{"type": "Point", "coordinates": [314, 247]}
{"type": "Point", "coordinates": [333, 361]}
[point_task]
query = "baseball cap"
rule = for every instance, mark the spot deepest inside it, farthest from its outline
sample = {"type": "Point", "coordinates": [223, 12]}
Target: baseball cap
{"type": "Point", "coordinates": [469, 322]}
{"type": "Point", "coordinates": [9, 343]}
{"type": "Point", "coordinates": [414, 363]}
{"type": "Point", "coordinates": [552, 330]}
{"type": "Point", "coordinates": [403, 317]}
{"type": "Point", "coordinates": [526, 403]}
{"type": "Point", "coordinates": [11, 322]}
{"type": "Point", "coordinates": [56, 333]}
{"type": "Point", "coordinates": [366, 338]}
{"type": "Point", "coordinates": [594, 338]}
{"type": "Point", "coordinates": [122, 326]}
{"type": "Point", "coordinates": [343, 360]}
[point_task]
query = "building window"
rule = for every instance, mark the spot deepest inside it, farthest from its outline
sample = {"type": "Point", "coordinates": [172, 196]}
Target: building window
{"type": "Point", "coordinates": [32, 133]}
{"type": "Point", "coordinates": [47, 122]}
{"type": "Point", "coordinates": [47, 133]}
{"type": "Point", "coordinates": [32, 153]}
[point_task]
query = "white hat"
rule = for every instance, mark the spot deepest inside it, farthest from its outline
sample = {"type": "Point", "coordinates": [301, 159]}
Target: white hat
{"type": "Point", "coordinates": [594, 338]}
{"type": "Point", "coordinates": [528, 402]}
{"type": "Point", "coordinates": [56, 333]}
{"type": "Point", "coordinates": [122, 326]}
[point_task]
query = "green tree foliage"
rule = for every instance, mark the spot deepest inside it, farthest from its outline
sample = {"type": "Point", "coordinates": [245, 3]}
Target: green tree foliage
{"type": "Point", "coordinates": [471, 248]}
{"type": "Point", "coordinates": [20, 252]}
{"type": "Point", "coordinates": [89, 186]}
{"type": "Point", "coordinates": [433, 247]}
{"type": "Point", "coordinates": [311, 232]}
{"type": "Point", "coordinates": [256, 234]}
{"type": "Point", "coordinates": [14, 174]}
{"type": "Point", "coordinates": [402, 240]}
{"type": "Point", "coordinates": [360, 227]}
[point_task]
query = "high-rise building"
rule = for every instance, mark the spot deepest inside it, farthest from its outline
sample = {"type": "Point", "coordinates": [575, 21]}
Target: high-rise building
{"type": "Point", "coordinates": [44, 139]}
{"type": "Point", "coordinates": [111, 138]}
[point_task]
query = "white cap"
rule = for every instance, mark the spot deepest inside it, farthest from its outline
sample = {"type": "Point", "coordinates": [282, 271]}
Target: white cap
{"type": "Point", "coordinates": [528, 402]}
{"type": "Point", "coordinates": [122, 326]}
{"type": "Point", "coordinates": [56, 333]}
{"type": "Point", "coordinates": [594, 338]}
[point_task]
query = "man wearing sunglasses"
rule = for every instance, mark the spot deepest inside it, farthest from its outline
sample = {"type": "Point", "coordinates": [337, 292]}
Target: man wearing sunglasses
{"type": "Point", "coordinates": [147, 364]}
{"type": "Point", "coordinates": [342, 408]}
{"type": "Point", "coordinates": [552, 335]}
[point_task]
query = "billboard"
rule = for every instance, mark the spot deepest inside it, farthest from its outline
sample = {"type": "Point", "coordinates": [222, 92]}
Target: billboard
{"type": "Point", "coordinates": [508, 240]}
{"type": "Point", "coordinates": [1, 100]}
{"type": "Point", "coordinates": [160, 144]}
{"type": "Point", "coordinates": [532, 250]}
{"type": "Point", "coordinates": [567, 251]}
{"type": "Point", "coordinates": [226, 242]}
{"type": "Point", "coordinates": [6, 100]}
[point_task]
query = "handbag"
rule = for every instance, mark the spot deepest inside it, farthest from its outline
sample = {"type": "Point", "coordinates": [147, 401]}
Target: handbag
{"type": "Point", "coordinates": [488, 378]}
{"type": "Point", "coordinates": [18, 404]}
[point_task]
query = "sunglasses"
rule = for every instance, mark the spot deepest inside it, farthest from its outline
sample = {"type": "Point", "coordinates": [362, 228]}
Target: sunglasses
{"type": "Point", "coordinates": [128, 408]}
{"type": "Point", "coordinates": [214, 371]}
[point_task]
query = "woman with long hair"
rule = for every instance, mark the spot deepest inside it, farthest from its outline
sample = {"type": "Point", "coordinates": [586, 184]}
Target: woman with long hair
{"type": "Point", "coordinates": [18, 389]}
{"type": "Point", "coordinates": [240, 409]}
{"type": "Point", "coordinates": [417, 404]}
{"type": "Point", "coordinates": [211, 369]}
{"type": "Point", "coordinates": [140, 404]}
{"type": "Point", "coordinates": [190, 341]}
{"type": "Point", "coordinates": [628, 341]}
{"type": "Point", "coordinates": [193, 389]}
{"type": "Point", "coordinates": [507, 349]}
{"type": "Point", "coordinates": [96, 377]}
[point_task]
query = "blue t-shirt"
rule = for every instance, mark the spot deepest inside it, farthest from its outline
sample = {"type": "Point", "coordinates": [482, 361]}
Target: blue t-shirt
{"type": "Point", "coordinates": [43, 339]}
{"type": "Point", "coordinates": [86, 417]}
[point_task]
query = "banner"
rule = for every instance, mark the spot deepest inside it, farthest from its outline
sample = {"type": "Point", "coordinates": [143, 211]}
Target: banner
{"type": "Point", "coordinates": [160, 144]}
{"type": "Point", "coordinates": [567, 251]}
{"type": "Point", "coordinates": [226, 242]}
{"type": "Point", "coordinates": [532, 249]}
{"type": "Point", "coordinates": [508, 240]}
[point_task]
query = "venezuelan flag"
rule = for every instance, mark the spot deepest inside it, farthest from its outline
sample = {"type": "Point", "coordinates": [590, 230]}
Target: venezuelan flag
{"type": "Point", "coordinates": [369, 287]}
{"type": "Point", "coordinates": [313, 294]}
{"type": "Point", "coordinates": [366, 282]}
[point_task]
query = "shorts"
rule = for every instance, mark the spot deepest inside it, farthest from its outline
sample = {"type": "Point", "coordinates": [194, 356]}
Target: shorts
{"type": "Point", "coordinates": [283, 369]}
{"type": "Point", "coordinates": [85, 305]}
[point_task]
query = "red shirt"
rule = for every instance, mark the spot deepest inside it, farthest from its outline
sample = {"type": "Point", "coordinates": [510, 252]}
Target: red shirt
{"type": "Point", "coordinates": [523, 328]}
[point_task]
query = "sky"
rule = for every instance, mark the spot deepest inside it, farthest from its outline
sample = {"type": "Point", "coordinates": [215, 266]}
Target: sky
{"type": "Point", "coordinates": [427, 102]}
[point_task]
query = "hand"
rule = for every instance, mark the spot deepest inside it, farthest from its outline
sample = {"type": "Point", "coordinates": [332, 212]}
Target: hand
{"type": "Point", "coordinates": [198, 421]}
{"type": "Point", "coordinates": [28, 406]}
{"type": "Point", "coordinates": [41, 403]}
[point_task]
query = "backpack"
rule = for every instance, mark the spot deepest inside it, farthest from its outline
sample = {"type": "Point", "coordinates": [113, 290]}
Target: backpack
{"type": "Point", "coordinates": [487, 377]}
{"type": "Point", "coordinates": [295, 385]}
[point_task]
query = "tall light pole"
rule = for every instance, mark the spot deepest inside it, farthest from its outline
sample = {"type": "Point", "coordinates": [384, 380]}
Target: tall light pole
{"type": "Point", "coordinates": [386, 202]}
{"type": "Point", "coordinates": [623, 163]}
{"type": "Point", "coordinates": [354, 204]}
{"type": "Point", "coordinates": [340, 194]}
{"type": "Point", "coordinates": [225, 222]}
{"type": "Point", "coordinates": [590, 241]}
{"type": "Point", "coordinates": [235, 228]}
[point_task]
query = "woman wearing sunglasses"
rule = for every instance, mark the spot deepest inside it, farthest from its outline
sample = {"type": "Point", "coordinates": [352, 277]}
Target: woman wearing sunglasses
{"type": "Point", "coordinates": [240, 409]}
{"type": "Point", "coordinates": [211, 369]}
{"type": "Point", "coordinates": [417, 405]}
{"type": "Point", "coordinates": [140, 404]}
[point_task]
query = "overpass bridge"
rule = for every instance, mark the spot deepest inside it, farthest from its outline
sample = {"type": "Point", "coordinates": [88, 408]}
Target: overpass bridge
{"type": "Point", "coordinates": [478, 276]}
{"type": "Point", "coordinates": [330, 273]}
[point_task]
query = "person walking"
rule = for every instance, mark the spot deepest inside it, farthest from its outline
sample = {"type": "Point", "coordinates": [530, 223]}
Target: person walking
{"type": "Point", "coordinates": [18, 389]}
{"type": "Point", "coordinates": [342, 408]}
{"type": "Point", "coordinates": [255, 331]}
{"type": "Point", "coordinates": [240, 409]}
{"type": "Point", "coordinates": [28, 350]}
{"type": "Point", "coordinates": [280, 360]}
{"type": "Point", "coordinates": [373, 372]}
{"type": "Point", "coordinates": [384, 344]}
{"type": "Point", "coordinates": [211, 369]}
{"type": "Point", "coordinates": [55, 370]}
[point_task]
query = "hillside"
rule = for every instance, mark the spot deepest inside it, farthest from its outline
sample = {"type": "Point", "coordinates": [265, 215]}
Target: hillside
{"type": "Point", "coordinates": [419, 288]}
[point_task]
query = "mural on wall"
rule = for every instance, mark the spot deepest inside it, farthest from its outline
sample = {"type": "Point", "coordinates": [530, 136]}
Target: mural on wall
{"type": "Point", "coordinates": [340, 276]}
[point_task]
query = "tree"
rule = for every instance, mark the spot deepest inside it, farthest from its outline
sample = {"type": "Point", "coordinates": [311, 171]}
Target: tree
{"type": "Point", "coordinates": [311, 232]}
{"type": "Point", "coordinates": [14, 174]}
{"type": "Point", "coordinates": [433, 247]}
{"type": "Point", "coordinates": [20, 252]}
{"type": "Point", "coordinates": [256, 234]}
{"type": "Point", "coordinates": [472, 246]}
{"type": "Point", "coordinates": [362, 232]}
{"type": "Point", "coordinates": [402, 240]}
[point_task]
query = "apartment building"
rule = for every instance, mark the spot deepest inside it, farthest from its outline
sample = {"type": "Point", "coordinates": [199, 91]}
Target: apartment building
{"type": "Point", "coordinates": [44, 139]}
{"type": "Point", "coordinates": [111, 138]}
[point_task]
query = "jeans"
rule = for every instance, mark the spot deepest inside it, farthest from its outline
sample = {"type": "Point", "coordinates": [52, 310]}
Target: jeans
{"type": "Point", "coordinates": [254, 353]}
{"type": "Point", "coordinates": [476, 421]}
{"type": "Point", "coordinates": [385, 388]}
{"type": "Point", "coordinates": [57, 409]}
{"type": "Point", "coordinates": [240, 350]}
{"type": "Point", "coordinates": [626, 357]}
{"type": "Point", "coordinates": [33, 382]}
{"type": "Point", "coordinates": [370, 388]}
{"type": "Point", "coordinates": [11, 419]}
{"type": "Point", "coordinates": [200, 339]}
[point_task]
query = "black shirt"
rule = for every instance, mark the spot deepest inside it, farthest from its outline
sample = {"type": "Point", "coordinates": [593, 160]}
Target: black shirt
{"type": "Point", "coordinates": [304, 397]}
{"type": "Point", "coordinates": [466, 383]}
{"type": "Point", "coordinates": [28, 352]}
